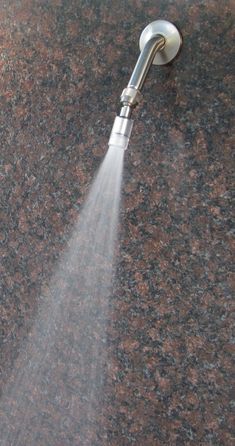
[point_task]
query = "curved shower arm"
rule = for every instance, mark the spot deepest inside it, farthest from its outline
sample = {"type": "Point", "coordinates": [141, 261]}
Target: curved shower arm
{"type": "Point", "coordinates": [160, 42]}
{"type": "Point", "coordinates": [145, 60]}
{"type": "Point", "coordinates": [131, 94]}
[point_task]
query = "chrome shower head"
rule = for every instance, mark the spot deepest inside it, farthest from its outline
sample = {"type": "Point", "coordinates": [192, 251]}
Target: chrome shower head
{"type": "Point", "coordinates": [159, 44]}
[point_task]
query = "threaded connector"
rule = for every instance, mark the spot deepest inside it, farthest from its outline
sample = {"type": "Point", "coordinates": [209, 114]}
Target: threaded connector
{"type": "Point", "coordinates": [130, 96]}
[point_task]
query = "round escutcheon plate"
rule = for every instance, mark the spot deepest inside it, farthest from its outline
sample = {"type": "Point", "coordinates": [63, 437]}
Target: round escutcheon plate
{"type": "Point", "coordinates": [170, 33]}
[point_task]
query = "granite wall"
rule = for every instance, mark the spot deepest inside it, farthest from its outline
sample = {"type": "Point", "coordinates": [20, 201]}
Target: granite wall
{"type": "Point", "coordinates": [63, 66]}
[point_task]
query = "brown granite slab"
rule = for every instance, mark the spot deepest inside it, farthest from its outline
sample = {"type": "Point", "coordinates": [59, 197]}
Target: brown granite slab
{"type": "Point", "coordinates": [168, 376]}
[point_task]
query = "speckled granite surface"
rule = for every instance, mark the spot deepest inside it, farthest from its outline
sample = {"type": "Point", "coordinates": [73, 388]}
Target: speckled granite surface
{"type": "Point", "coordinates": [63, 66]}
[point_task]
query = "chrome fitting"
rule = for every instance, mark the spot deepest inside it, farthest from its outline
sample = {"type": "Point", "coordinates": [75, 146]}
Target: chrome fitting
{"type": "Point", "coordinates": [130, 96]}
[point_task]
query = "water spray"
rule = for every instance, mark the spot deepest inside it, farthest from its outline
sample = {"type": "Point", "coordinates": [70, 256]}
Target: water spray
{"type": "Point", "coordinates": [159, 44]}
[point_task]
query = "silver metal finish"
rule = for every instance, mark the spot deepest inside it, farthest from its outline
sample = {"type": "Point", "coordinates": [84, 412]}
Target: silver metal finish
{"type": "Point", "coordinates": [145, 60]}
{"type": "Point", "coordinates": [125, 111]}
{"type": "Point", "coordinates": [160, 42]}
{"type": "Point", "coordinates": [172, 36]}
{"type": "Point", "coordinates": [130, 95]}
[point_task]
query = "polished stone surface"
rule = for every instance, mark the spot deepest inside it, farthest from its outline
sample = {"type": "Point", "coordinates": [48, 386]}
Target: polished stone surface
{"type": "Point", "coordinates": [63, 66]}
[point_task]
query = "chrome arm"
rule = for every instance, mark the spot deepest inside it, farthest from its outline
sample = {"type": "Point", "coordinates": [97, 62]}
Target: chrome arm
{"type": "Point", "coordinates": [131, 94]}
{"type": "Point", "coordinates": [145, 61]}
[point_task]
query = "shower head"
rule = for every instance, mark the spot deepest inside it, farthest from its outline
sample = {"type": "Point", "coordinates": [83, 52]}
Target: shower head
{"type": "Point", "coordinates": [159, 44]}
